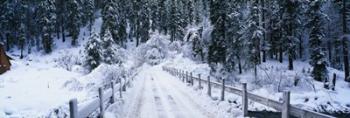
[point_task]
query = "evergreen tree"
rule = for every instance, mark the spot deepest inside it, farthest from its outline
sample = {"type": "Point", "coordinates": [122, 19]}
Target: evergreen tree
{"type": "Point", "coordinates": [89, 12]}
{"type": "Point", "coordinates": [154, 15]}
{"type": "Point", "coordinates": [122, 22]}
{"type": "Point", "coordinates": [217, 50]}
{"type": "Point", "coordinates": [109, 17]}
{"type": "Point", "coordinates": [318, 58]}
{"type": "Point", "coordinates": [73, 23]}
{"type": "Point", "coordinates": [144, 21]}
{"type": "Point", "coordinates": [235, 43]}
{"type": "Point", "coordinates": [275, 26]}
{"type": "Point", "coordinates": [190, 12]}
{"type": "Point", "coordinates": [255, 37]}
{"type": "Point", "coordinates": [46, 38]}
{"type": "Point", "coordinates": [47, 21]}
{"type": "Point", "coordinates": [107, 48]}
{"type": "Point", "coordinates": [175, 22]}
{"type": "Point", "coordinates": [92, 51]}
{"type": "Point", "coordinates": [290, 24]}
{"type": "Point", "coordinates": [345, 40]}
{"type": "Point", "coordinates": [22, 39]}
{"type": "Point", "coordinates": [162, 17]}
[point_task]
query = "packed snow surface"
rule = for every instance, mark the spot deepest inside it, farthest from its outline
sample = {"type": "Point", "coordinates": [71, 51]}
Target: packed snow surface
{"type": "Point", "coordinates": [157, 94]}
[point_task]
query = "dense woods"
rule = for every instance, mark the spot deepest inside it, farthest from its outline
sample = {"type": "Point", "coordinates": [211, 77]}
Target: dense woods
{"type": "Point", "coordinates": [242, 33]}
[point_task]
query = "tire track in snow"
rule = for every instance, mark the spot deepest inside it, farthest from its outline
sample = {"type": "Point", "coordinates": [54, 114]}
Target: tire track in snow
{"type": "Point", "coordinates": [171, 102]}
{"type": "Point", "coordinates": [138, 105]}
{"type": "Point", "coordinates": [158, 102]}
{"type": "Point", "coordinates": [185, 96]}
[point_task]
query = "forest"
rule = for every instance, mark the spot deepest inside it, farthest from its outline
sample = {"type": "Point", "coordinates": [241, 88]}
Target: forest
{"type": "Point", "coordinates": [241, 30]}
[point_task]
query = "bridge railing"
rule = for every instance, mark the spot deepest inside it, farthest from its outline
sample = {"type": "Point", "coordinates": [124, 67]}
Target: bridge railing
{"type": "Point", "coordinates": [85, 109]}
{"type": "Point", "coordinates": [285, 107]}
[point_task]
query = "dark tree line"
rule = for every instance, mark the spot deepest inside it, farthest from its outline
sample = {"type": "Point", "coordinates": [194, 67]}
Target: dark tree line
{"type": "Point", "coordinates": [243, 33]}
{"type": "Point", "coordinates": [294, 30]}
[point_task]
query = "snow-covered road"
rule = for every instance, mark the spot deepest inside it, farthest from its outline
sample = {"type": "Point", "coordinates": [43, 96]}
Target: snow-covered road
{"type": "Point", "coordinates": [157, 94]}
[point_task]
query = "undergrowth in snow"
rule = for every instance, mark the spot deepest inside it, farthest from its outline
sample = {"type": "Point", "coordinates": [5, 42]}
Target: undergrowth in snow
{"type": "Point", "coordinates": [274, 78]}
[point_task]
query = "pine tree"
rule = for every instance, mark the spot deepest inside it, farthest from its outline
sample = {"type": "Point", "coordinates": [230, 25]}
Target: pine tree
{"type": "Point", "coordinates": [290, 24]}
{"type": "Point", "coordinates": [345, 40]}
{"type": "Point", "coordinates": [22, 39]}
{"type": "Point", "coordinates": [235, 43]}
{"type": "Point", "coordinates": [175, 22]}
{"type": "Point", "coordinates": [122, 22]}
{"type": "Point", "coordinates": [162, 17]}
{"type": "Point", "coordinates": [47, 21]}
{"type": "Point", "coordinates": [46, 38]}
{"type": "Point", "coordinates": [109, 17]}
{"type": "Point", "coordinates": [317, 57]}
{"type": "Point", "coordinates": [154, 15]}
{"type": "Point", "coordinates": [107, 48]}
{"type": "Point", "coordinates": [217, 50]}
{"type": "Point", "coordinates": [255, 37]}
{"type": "Point", "coordinates": [190, 12]}
{"type": "Point", "coordinates": [144, 21]}
{"type": "Point", "coordinates": [89, 12]}
{"type": "Point", "coordinates": [73, 25]}
{"type": "Point", "coordinates": [92, 51]}
{"type": "Point", "coordinates": [275, 44]}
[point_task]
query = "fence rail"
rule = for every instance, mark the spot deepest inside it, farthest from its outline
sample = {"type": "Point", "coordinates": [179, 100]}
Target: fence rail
{"type": "Point", "coordinates": [85, 109]}
{"type": "Point", "coordinates": [285, 107]}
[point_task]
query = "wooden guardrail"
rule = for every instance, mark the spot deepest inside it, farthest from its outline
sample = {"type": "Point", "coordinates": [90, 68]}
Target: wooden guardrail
{"type": "Point", "coordinates": [285, 107]}
{"type": "Point", "coordinates": [84, 110]}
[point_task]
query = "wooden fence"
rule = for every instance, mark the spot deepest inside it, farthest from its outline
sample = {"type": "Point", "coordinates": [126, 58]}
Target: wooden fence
{"type": "Point", "coordinates": [85, 109]}
{"type": "Point", "coordinates": [285, 107]}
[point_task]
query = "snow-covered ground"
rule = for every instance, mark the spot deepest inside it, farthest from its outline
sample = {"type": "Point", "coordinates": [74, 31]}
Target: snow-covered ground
{"type": "Point", "coordinates": [39, 84]}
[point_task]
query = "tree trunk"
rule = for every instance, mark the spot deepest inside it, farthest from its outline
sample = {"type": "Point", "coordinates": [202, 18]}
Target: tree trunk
{"type": "Point", "coordinates": [290, 62]}
{"type": "Point", "coordinates": [63, 34]}
{"type": "Point", "coordinates": [22, 48]}
{"type": "Point", "coordinates": [58, 30]}
{"type": "Point", "coordinates": [280, 55]}
{"type": "Point", "coordinates": [1, 37]}
{"type": "Point", "coordinates": [301, 49]}
{"type": "Point", "coordinates": [264, 27]}
{"type": "Point", "coordinates": [346, 59]}
{"type": "Point", "coordinates": [239, 64]}
{"type": "Point", "coordinates": [264, 56]}
{"type": "Point", "coordinates": [8, 41]}
{"type": "Point", "coordinates": [345, 45]}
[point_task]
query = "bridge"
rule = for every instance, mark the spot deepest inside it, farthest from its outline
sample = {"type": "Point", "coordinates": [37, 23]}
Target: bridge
{"type": "Point", "coordinates": [165, 92]}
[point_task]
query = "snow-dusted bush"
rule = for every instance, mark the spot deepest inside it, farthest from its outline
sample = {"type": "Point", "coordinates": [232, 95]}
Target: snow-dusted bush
{"type": "Point", "coordinates": [153, 51]}
{"type": "Point", "coordinates": [68, 60]}
{"type": "Point", "coordinates": [175, 46]}
{"type": "Point", "coordinates": [154, 56]}
{"type": "Point", "coordinates": [101, 76]}
{"type": "Point", "coordinates": [194, 44]}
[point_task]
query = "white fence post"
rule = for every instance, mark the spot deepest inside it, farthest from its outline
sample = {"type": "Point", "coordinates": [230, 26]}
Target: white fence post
{"type": "Point", "coordinates": [100, 94]}
{"type": "Point", "coordinates": [199, 81]}
{"type": "Point", "coordinates": [191, 79]}
{"type": "Point", "coordinates": [209, 87]}
{"type": "Point", "coordinates": [73, 108]}
{"type": "Point", "coordinates": [244, 99]}
{"type": "Point", "coordinates": [186, 77]}
{"type": "Point", "coordinates": [223, 90]}
{"type": "Point", "coordinates": [120, 88]}
{"type": "Point", "coordinates": [285, 107]}
{"type": "Point", "coordinates": [113, 91]}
